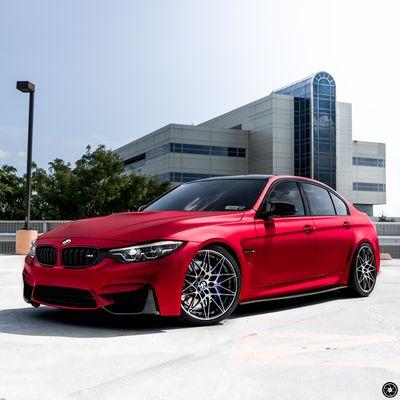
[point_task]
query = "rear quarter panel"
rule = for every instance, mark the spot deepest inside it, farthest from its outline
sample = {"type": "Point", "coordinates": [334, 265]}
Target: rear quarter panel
{"type": "Point", "coordinates": [365, 232]}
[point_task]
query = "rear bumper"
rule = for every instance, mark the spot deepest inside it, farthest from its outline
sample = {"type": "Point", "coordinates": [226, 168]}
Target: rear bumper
{"type": "Point", "coordinates": [152, 287]}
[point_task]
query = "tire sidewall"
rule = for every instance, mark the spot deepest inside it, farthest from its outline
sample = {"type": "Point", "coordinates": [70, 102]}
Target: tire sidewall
{"type": "Point", "coordinates": [354, 284]}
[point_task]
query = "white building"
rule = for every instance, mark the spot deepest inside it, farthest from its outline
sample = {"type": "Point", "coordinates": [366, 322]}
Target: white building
{"type": "Point", "coordinates": [300, 129]}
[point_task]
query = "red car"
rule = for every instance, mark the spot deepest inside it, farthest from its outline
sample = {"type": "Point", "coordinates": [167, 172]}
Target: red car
{"type": "Point", "coordinates": [204, 247]}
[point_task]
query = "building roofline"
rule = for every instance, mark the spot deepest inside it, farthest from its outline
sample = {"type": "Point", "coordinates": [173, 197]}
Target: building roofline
{"type": "Point", "coordinates": [310, 77]}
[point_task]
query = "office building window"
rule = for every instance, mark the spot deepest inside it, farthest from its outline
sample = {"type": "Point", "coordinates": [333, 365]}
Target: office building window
{"type": "Point", "coordinates": [181, 177]}
{"type": "Point", "coordinates": [185, 148]}
{"type": "Point", "coordinates": [369, 187]}
{"type": "Point", "coordinates": [369, 161]}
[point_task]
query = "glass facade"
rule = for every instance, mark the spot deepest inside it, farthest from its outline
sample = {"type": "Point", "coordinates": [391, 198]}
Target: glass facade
{"type": "Point", "coordinates": [314, 127]}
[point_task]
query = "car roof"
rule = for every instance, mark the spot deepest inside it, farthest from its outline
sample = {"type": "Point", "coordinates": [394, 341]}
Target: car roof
{"type": "Point", "coordinates": [237, 177]}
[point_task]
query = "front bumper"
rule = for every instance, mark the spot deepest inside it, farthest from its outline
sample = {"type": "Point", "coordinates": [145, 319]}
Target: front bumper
{"type": "Point", "coordinates": [152, 287]}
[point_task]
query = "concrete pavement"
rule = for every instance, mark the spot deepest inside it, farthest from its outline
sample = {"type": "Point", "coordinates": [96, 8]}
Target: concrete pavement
{"type": "Point", "coordinates": [327, 346]}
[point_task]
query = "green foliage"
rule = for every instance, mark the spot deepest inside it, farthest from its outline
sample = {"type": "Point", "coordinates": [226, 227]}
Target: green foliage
{"type": "Point", "coordinates": [97, 185]}
{"type": "Point", "coordinates": [11, 193]}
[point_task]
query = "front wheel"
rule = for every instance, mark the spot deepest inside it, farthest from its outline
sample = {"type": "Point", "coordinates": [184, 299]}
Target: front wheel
{"type": "Point", "coordinates": [211, 288]}
{"type": "Point", "coordinates": [363, 271]}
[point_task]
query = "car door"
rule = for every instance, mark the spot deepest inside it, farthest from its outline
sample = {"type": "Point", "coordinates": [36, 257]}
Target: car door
{"type": "Point", "coordinates": [286, 246]}
{"type": "Point", "coordinates": [334, 232]}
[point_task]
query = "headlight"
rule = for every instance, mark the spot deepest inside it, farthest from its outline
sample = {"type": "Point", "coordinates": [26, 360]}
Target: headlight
{"type": "Point", "coordinates": [145, 252]}
{"type": "Point", "coordinates": [32, 249]}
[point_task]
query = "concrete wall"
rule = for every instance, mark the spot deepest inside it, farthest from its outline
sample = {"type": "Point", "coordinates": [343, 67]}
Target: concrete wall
{"type": "Point", "coordinates": [369, 174]}
{"type": "Point", "coordinates": [344, 150]}
{"type": "Point", "coordinates": [271, 141]}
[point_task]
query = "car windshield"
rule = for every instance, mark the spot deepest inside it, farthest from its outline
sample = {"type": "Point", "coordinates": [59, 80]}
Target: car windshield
{"type": "Point", "coordinates": [211, 195]}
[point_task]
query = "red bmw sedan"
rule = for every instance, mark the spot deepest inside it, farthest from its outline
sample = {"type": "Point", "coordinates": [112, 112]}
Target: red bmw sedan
{"type": "Point", "coordinates": [206, 246]}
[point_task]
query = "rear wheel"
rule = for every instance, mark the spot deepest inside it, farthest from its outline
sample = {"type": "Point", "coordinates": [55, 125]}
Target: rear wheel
{"type": "Point", "coordinates": [211, 288]}
{"type": "Point", "coordinates": [363, 271]}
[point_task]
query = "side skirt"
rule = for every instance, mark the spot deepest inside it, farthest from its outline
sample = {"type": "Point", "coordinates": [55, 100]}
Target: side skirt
{"type": "Point", "coordinates": [293, 295]}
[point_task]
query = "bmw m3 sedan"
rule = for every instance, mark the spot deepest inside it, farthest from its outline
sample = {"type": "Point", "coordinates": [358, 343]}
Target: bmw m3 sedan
{"type": "Point", "coordinates": [206, 246]}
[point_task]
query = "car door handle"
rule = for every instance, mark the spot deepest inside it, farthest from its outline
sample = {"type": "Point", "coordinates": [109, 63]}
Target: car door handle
{"type": "Point", "coordinates": [308, 229]}
{"type": "Point", "coordinates": [347, 224]}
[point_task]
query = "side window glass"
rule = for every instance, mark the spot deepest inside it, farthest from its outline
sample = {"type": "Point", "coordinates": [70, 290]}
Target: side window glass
{"type": "Point", "coordinates": [340, 207]}
{"type": "Point", "coordinates": [319, 200]}
{"type": "Point", "coordinates": [287, 192]}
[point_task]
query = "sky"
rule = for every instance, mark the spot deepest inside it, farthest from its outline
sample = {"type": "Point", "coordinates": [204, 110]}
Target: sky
{"type": "Point", "coordinates": [108, 72]}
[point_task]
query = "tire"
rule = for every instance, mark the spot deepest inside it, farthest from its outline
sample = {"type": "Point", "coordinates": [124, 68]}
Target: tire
{"type": "Point", "coordinates": [362, 276]}
{"type": "Point", "coordinates": [211, 287]}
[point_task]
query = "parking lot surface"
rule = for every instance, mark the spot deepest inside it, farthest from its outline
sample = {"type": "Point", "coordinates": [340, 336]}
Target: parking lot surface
{"type": "Point", "coordinates": [326, 346]}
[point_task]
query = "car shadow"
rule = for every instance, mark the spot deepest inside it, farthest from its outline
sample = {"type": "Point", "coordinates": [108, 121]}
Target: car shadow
{"type": "Point", "coordinates": [272, 306]}
{"type": "Point", "coordinates": [46, 321]}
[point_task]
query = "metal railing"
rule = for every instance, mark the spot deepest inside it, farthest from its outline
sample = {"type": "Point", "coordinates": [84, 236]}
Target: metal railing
{"type": "Point", "coordinates": [9, 228]}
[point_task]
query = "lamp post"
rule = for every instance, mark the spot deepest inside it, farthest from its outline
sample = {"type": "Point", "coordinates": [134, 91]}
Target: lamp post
{"type": "Point", "coordinates": [28, 87]}
{"type": "Point", "coordinates": [25, 236]}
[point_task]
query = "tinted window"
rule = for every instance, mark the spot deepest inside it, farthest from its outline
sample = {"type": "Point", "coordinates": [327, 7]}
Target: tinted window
{"type": "Point", "coordinates": [319, 200]}
{"type": "Point", "coordinates": [340, 207]}
{"type": "Point", "coordinates": [287, 192]}
{"type": "Point", "coordinates": [213, 195]}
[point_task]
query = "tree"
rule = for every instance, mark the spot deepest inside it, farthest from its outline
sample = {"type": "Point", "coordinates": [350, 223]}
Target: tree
{"type": "Point", "coordinates": [54, 192]}
{"type": "Point", "coordinates": [11, 193]}
{"type": "Point", "coordinates": [97, 185]}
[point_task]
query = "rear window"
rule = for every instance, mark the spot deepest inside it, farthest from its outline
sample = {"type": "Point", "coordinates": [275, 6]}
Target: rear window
{"type": "Point", "coordinates": [319, 200]}
{"type": "Point", "coordinates": [212, 195]}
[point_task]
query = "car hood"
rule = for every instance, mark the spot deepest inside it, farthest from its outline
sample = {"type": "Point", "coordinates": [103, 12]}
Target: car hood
{"type": "Point", "coordinates": [142, 227]}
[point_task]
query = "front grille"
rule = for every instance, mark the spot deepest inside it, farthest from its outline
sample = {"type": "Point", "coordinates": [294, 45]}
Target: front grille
{"type": "Point", "coordinates": [78, 257]}
{"type": "Point", "coordinates": [61, 296]}
{"type": "Point", "coordinates": [46, 255]}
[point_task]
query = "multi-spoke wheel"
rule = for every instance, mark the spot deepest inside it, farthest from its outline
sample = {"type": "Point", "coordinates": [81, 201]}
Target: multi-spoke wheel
{"type": "Point", "coordinates": [363, 273]}
{"type": "Point", "coordinates": [211, 288]}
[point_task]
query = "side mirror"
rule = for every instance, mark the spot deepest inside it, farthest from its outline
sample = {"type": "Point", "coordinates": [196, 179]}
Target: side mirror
{"type": "Point", "coordinates": [279, 209]}
{"type": "Point", "coordinates": [141, 208]}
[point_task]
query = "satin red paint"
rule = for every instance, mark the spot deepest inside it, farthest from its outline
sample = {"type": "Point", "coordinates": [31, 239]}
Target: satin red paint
{"type": "Point", "coordinates": [277, 256]}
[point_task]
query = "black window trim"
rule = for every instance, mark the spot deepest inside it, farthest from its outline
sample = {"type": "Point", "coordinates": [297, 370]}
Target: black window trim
{"type": "Point", "coordinates": [331, 193]}
{"type": "Point", "coordinates": [302, 194]}
{"type": "Point", "coordinates": [306, 203]}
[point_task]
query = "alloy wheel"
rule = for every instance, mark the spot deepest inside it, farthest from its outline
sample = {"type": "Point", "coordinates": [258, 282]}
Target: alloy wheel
{"type": "Point", "coordinates": [210, 287]}
{"type": "Point", "coordinates": [366, 269]}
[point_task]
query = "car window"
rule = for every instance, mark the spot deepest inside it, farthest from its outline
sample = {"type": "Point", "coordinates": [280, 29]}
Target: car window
{"type": "Point", "coordinates": [287, 192]}
{"type": "Point", "coordinates": [340, 206]}
{"type": "Point", "coordinates": [211, 195]}
{"type": "Point", "coordinates": [319, 200]}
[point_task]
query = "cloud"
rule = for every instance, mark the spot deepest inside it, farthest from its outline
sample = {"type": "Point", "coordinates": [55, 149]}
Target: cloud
{"type": "Point", "coordinates": [3, 154]}
{"type": "Point", "coordinates": [21, 153]}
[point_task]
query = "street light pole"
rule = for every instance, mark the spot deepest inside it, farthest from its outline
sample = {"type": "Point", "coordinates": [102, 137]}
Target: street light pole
{"type": "Point", "coordinates": [28, 87]}
{"type": "Point", "coordinates": [29, 164]}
